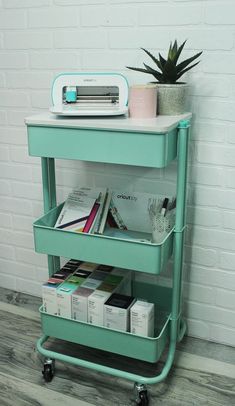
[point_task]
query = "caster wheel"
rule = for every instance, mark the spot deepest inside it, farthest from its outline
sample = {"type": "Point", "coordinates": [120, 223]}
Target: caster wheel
{"type": "Point", "coordinates": [47, 373]}
{"type": "Point", "coordinates": [48, 370]}
{"type": "Point", "coordinates": [141, 394]}
{"type": "Point", "coordinates": [143, 399]}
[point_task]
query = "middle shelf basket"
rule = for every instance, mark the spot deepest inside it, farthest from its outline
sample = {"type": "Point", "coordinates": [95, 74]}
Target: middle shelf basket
{"type": "Point", "coordinates": [136, 253]}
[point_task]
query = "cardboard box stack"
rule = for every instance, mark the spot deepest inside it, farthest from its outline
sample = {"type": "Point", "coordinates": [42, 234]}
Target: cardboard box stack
{"type": "Point", "coordinates": [66, 289]}
{"type": "Point", "coordinates": [49, 289]}
{"type": "Point", "coordinates": [82, 295]}
{"type": "Point", "coordinates": [97, 294]}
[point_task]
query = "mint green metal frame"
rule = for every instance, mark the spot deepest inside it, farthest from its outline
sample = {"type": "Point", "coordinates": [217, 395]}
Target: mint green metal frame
{"type": "Point", "coordinates": [49, 201]}
{"type": "Point", "coordinates": [177, 325]}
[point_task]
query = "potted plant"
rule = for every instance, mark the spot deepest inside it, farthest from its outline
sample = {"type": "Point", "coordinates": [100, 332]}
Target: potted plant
{"type": "Point", "coordinates": [171, 93]}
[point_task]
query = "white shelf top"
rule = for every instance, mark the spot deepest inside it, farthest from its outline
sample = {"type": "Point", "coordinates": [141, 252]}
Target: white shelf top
{"type": "Point", "coordinates": [159, 124]}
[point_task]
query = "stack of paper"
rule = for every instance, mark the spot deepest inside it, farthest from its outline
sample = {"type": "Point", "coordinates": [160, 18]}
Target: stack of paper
{"type": "Point", "coordinates": [130, 210]}
{"type": "Point", "coordinates": [133, 211]}
{"type": "Point", "coordinates": [90, 209]}
{"type": "Point", "coordinates": [81, 209]}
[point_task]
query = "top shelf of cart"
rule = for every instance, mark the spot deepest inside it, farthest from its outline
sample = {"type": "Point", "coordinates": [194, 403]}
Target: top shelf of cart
{"type": "Point", "coordinates": [118, 140]}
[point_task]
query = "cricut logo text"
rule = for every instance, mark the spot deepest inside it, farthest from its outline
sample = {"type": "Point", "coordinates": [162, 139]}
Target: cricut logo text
{"type": "Point", "coordinates": [127, 197]}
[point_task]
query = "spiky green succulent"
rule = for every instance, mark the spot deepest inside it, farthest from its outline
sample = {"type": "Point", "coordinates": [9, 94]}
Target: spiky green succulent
{"type": "Point", "coordinates": [169, 70]}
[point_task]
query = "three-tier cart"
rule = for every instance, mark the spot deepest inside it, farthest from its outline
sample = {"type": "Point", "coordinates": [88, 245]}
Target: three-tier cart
{"type": "Point", "coordinates": [152, 143]}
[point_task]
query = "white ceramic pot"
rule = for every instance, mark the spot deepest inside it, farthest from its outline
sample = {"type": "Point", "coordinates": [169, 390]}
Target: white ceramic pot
{"type": "Point", "coordinates": [171, 98]}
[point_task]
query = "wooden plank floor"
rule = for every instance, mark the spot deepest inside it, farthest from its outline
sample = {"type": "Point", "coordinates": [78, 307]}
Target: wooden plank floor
{"type": "Point", "coordinates": [203, 374]}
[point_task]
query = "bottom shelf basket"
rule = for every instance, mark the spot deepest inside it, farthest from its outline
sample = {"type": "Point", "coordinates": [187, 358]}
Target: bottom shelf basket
{"type": "Point", "coordinates": [118, 342]}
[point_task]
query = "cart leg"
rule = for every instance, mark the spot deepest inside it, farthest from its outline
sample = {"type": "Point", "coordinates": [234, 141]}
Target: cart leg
{"type": "Point", "coordinates": [49, 201]}
{"type": "Point", "coordinates": [48, 369]}
{"type": "Point", "coordinates": [141, 394]}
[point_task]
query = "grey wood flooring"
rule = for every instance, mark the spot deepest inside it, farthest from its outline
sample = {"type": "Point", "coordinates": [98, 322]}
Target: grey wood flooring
{"type": "Point", "coordinates": [203, 373]}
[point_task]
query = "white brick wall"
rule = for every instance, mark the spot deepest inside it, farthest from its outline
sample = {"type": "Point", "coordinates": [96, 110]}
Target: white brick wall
{"type": "Point", "coordinates": [40, 38]}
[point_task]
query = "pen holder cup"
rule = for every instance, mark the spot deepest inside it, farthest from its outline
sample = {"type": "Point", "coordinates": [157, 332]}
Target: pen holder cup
{"type": "Point", "coordinates": [162, 225]}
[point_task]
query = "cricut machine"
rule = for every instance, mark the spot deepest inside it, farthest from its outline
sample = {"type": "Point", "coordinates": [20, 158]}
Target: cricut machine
{"type": "Point", "coordinates": [89, 94]}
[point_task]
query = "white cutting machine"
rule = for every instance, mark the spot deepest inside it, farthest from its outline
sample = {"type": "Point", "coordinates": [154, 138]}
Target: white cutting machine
{"type": "Point", "coordinates": [89, 94]}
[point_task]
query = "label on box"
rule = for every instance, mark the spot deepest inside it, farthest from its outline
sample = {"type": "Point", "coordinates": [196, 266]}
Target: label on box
{"type": "Point", "coordinates": [64, 297]}
{"type": "Point", "coordinates": [142, 319]}
{"type": "Point", "coordinates": [96, 307]}
{"type": "Point", "coordinates": [117, 312]}
{"type": "Point", "coordinates": [80, 304]}
{"type": "Point", "coordinates": [49, 297]}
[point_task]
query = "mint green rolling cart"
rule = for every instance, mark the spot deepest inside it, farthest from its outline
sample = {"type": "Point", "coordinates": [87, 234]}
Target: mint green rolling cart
{"type": "Point", "coordinates": [147, 143]}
